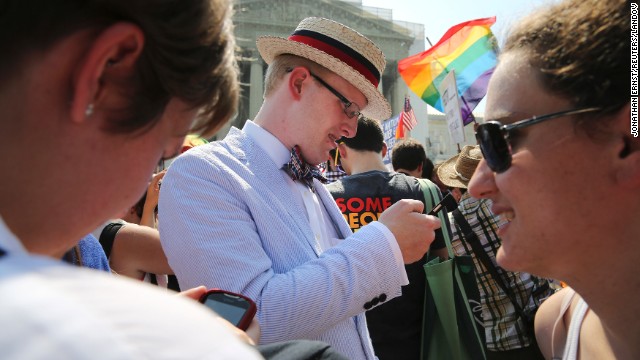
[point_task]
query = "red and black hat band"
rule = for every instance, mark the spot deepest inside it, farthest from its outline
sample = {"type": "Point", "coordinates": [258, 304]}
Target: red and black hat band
{"type": "Point", "coordinates": [339, 50]}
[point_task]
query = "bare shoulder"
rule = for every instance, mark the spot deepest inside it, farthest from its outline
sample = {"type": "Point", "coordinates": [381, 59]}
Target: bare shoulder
{"type": "Point", "coordinates": [550, 325]}
{"type": "Point", "coordinates": [594, 341]}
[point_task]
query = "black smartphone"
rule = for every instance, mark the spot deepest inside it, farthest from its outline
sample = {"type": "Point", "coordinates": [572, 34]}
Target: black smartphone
{"type": "Point", "coordinates": [448, 202]}
{"type": "Point", "coordinates": [235, 308]}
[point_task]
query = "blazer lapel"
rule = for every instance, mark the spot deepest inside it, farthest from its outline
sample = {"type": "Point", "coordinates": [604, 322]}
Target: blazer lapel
{"type": "Point", "coordinates": [270, 183]}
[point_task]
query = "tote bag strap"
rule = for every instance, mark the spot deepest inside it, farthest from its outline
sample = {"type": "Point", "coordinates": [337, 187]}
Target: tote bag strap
{"type": "Point", "coordinates": [431, 198]}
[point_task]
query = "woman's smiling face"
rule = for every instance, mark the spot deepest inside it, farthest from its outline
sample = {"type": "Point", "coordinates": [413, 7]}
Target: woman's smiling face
{"type": "Point", "coordinates": [557, 176]}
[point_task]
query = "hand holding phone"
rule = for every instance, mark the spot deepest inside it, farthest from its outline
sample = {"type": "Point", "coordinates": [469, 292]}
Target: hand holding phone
{"type": "Point", "coordinates": [235, 308]}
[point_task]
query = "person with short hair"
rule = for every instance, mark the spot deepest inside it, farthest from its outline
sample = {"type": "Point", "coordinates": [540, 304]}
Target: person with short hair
{"type": "Point", "coordinates": [409, 157]}
{"type": "Point", "coordinates": [249, 213]}
{"type": "Point", "coordinates": [370, 188]}
{"type": "Point", "coordinates": [562, 168]}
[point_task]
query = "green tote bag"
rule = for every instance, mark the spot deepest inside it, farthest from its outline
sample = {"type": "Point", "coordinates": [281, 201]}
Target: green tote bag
{"type": "Point", "coordinates": [449, 329]}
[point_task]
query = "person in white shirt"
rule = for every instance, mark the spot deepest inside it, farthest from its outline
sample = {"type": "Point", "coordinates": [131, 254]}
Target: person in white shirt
{"type": "Point", "coordinates": [231, 214]}
{"type": "Point", "coordinates": [93, 94]}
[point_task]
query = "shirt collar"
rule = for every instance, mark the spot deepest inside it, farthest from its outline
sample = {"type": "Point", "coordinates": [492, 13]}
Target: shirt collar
{"type": "Point", "coordinates": [9, 242]}
{"type": "Point", "coordinates": [267, 142]}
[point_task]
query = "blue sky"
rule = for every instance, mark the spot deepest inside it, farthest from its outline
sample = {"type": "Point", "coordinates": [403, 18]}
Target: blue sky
{"type": "Point", "coordinates": [439, 16]}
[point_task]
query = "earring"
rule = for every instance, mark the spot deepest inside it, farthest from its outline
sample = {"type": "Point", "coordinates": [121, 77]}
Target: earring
{"type": "Point", "coordinates": [89, 111]}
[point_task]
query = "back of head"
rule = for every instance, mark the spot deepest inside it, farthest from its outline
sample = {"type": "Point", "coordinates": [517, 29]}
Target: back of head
{"type": "Point", "coordinates": [580, 49]}
{"type": "Point", "coordinates": [408, 154]}
{"type": "Point", "coordinates": [427, 169]}
{"type": "Point", "coordinates": [187, 54]}
{"type": "Point", "coordinates": [369, 136]}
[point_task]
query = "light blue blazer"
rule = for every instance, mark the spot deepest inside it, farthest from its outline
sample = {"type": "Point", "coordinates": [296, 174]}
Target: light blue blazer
{"type": "Point", "coordinates": [228, 219]}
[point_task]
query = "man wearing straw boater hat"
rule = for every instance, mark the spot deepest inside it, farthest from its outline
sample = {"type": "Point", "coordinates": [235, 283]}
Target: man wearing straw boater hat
{"type": "Point", "coordinates": [250, 214]}
{"type": "Point", "coordinates": [508, 334]}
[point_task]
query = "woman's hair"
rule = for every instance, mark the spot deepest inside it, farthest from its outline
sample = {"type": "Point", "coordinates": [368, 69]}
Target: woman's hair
{"type": "Point", "coordinates": [581, 49]}
{"type": "Point", "coordinates": [187, 54]}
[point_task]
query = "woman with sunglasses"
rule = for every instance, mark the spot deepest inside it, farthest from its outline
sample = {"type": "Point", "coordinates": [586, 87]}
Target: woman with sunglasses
{"type": "Point", "coordinates": [562, 166]}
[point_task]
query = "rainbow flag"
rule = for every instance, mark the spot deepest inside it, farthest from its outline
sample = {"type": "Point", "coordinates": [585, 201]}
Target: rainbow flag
{"type": "Point", "coordinates": [470, 49]}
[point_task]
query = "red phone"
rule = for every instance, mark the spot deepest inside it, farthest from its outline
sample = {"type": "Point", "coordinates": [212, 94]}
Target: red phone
{"type": "Point", "coordinates": [235, 308]}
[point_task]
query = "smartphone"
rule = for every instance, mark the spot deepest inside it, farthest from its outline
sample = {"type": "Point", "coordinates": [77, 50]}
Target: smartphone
{"type": "Point", "coordinates": [235, 308]}
{"type": "Point", "coordinates": [448, 202]}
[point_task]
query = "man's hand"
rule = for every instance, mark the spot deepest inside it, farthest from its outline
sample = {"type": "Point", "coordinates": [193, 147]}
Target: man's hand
{"type": "Point", "coordinates": [413, 230]}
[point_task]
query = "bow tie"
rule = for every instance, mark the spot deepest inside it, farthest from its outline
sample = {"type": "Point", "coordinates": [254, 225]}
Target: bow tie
{"type": "Point", "coordinates": [299, 170]}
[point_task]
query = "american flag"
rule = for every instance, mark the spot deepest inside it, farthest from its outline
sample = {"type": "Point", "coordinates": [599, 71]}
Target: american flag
{"type": "Point", "coordinates": [407, 117]}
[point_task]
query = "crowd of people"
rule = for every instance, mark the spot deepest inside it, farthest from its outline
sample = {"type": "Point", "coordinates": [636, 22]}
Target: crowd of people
{"type": "Point", "coordinates": [333, 256]}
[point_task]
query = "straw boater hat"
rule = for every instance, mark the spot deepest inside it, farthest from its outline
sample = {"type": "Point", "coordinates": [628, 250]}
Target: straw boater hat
{"type": "Point", "coordinates": [457, 171]}
{"type": "Point", "coordinates": [339, 49]}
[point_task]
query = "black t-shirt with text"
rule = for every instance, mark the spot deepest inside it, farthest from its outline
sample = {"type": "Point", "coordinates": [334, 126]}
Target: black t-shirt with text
{"type": "Point", "coordinates": [395, 327]}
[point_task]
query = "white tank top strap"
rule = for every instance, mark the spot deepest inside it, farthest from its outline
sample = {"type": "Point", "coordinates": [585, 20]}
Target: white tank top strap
{"type": "Point", "coordinates": [573, 335]}
{"type": "Point", "coordinates": [558, 344]}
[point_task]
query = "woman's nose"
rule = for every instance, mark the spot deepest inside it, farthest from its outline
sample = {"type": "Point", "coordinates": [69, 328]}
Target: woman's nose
{"type": "Point", "coordinates": [482, 183]}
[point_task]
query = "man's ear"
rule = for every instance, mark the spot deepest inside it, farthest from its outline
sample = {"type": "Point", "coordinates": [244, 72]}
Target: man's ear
{"type": "Point", "coordinates": [343, 150]}
{"type": "Point", "coordinates": [384, 149]}
{"type": "Point", "coordinates": [111, 56]}
{"type": "Point", "coordinates": [297, 78]}
{"type": "Point", "coordinates": [628, 162]}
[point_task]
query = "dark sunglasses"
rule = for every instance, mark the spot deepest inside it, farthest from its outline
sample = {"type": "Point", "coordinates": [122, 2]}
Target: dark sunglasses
{"type": "Point", "coordinates": [493, 137]}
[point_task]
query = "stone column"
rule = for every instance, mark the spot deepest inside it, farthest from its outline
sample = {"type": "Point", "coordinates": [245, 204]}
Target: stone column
{"type": "Point", "coordinates": [398, 95]}
{"type": "Point", "coordinates": [257, 87]}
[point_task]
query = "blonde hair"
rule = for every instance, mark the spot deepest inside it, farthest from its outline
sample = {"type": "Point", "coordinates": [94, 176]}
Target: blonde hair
{"type": "Point", "coordinates": [283, 64]}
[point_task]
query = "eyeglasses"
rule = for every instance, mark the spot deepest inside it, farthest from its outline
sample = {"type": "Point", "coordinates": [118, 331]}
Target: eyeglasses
{"type": "Point", "coordinates": [350, 109]}
{"type": "Point", "coordinates": [493, 137]}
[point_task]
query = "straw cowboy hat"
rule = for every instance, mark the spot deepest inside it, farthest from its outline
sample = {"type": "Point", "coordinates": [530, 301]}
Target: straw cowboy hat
{"type": "Point", "coordinates": [457, 171]}
{"type": "Point", "coordinates": [339, 49]}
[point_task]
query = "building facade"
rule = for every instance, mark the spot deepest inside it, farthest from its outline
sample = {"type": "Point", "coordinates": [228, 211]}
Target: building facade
{"type": "Point", "coordinates": [397, 39]}
{"type": "Point", "coordinates": [437, 140]}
